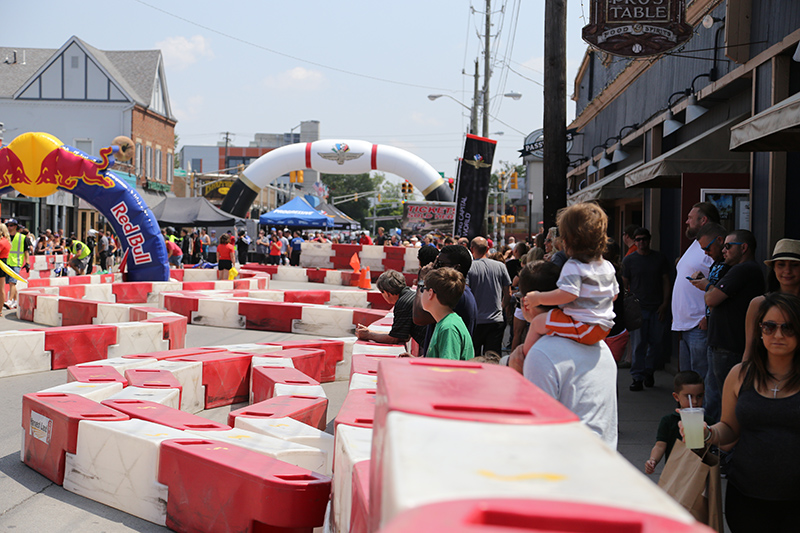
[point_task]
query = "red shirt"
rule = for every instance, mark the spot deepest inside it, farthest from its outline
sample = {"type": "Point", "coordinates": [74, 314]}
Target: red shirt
{"type": "Point", "coordinates": [5, 248]}
{"type": "Point", "coordinates": [365, 239]}
{"type": "Point", "coordinates": [225, 252]}
{"type": "Point", "coordinates": [173, 249]}
{"type": "Point", "coordinates": [275, 248]}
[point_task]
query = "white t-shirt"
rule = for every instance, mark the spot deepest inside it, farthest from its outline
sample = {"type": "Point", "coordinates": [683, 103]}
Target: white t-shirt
{"type": "Point", "coordinates": [595, 285]}
{"type": "Point", "coordinates": [581, 377]}
{"type": "Point", "coordinates": [688, 303]}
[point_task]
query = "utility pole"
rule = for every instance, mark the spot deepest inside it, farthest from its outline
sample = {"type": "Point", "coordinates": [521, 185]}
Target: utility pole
{"type": "Point", "coordinates": [486, 69]}
{"type": "Point", "coordinates": [555, 110]}
{"type": "Point", "coordinates": [227, 142]}
{"type": "Point", "coordinates": [473, 116]}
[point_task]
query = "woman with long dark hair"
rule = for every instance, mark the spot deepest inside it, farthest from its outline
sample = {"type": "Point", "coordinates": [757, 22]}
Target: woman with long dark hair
{"type": "Point", "coordinates": [761, 408]}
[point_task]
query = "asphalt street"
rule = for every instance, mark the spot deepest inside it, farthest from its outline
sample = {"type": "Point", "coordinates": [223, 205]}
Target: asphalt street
{"type": "Point", "coordinates": [30, 502]}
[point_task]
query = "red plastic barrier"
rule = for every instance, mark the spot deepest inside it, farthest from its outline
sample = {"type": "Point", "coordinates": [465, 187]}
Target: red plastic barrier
{"type": "Point", "coordinates": [34, 283]}
{"type": "Point", "coordinates": [226, 376]}
{"type": "Point", "coordinates": [395, 252]}
{"type": "Point", "coordinates": [132, 292]}
{"type": "Point", "coordinates": [367, 363]}
{"type": "Point", "coordinates": [95, 374]}
{"type": "Point", "coordinates": [26, 305]}
{"type": "Point", "coordinates": [316, 275]}
{"type": "Point", "coordinates": [176, 274]}
{"type": "Point", "coordinates": [334, 352]}
{"type": "Point", "coordinates": [306, 409]}
{"type": "Point", "coordinates": [270, 316]}
{"type": "Point", "coordinates": [265, 378]}
{"type": "Point", "coordinates": [174, 330]}
{"type": "Point", "coordinates": [531, 516]}
{"type": "Point", "coordinates": [72, 291]}
{"type": "Point", "coordinates": [199, 285]}
{"type": "Point", "coordinates": [340, 262]}
{"type": "Point", "coordinates": [394, 264]}
{"type": "Point", "coordinates": [50, 426]}
{"type": "Point", "coordinates": [172, 354]}
{"type": "Point", "coordinates": [377, 301]}
{"type": "Point", "coordinates": [248, 489]}
{"type": "Point", "coordinates": [152, 378]}
{"type": "Point", "coordinates": [366, 316]}
{"type": "Point", "coordinates": [183, 305]}
{"type": "Point", "coordinates": [79, 280]}
{"type": "Point", "coordinates": [70, 345]}
{"type": "Point", "coordinates": [357, 410]}
{"type": "Point", "coordinates": [307, 297]}
{"type": "Point", "coordinates": [164, 415]}
{"type": "Point", "coordinates": [359, 506]}
{"type": "Point", "coordinates": [345, 250]}
{"type": "Point", "coordinates": [139, 313]}
{"type": "Point", "coordinates": [76, 312]}
{"type": "Point", "coordinates": [350, 279]}
{"type": "Point", "coordinates": [463, 390]}
{"type": "Point", "coordinates": [309, 361]}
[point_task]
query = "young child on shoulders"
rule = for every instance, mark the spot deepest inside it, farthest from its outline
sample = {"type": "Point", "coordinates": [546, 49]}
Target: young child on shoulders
{"type": "Point", "coordinates": [587, 286]}
{"type": "Point", "coordinates": [686, 384]}
{"type": "Point", "coordinates": [441, 291]}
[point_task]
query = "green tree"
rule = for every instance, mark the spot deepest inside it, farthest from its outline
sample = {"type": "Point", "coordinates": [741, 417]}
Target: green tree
{"type": "Point", "coordinates": [347, 184]}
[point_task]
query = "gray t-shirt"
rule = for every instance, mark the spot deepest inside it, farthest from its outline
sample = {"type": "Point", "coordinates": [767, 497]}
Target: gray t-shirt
{"type": "Point", "coordinates": [581, 377]}
{"type": "Point", "coordinates": [488, 279]}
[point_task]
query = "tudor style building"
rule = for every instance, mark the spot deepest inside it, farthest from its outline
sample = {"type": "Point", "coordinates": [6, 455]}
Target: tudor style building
{"type": "Point", "coordinates": [86, 97]}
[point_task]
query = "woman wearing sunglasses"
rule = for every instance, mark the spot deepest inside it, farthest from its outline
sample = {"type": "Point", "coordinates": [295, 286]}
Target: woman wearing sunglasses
{"type": "Point", "coordinates": [761, 408]}
{"type": "Point", "coordinates": [783, 276]}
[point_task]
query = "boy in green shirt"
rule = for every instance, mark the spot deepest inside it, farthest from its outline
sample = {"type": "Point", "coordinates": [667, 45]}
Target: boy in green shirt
{"type": "Point", "coordinates": [441, 291]}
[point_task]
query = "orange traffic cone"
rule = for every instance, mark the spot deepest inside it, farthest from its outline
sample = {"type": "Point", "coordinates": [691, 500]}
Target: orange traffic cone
{"type": "Point", "coordinates": [364, 282]}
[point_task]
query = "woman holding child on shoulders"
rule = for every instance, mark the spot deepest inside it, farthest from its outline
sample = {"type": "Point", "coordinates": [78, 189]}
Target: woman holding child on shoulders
{"type": "Point", "coordinates": [761, 408]}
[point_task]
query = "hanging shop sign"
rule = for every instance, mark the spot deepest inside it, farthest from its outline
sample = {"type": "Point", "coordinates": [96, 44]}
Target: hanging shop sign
{"type": "Point", "coordinates": [637, 28]}
{"type": "Point", "coordinates": [534, 143]}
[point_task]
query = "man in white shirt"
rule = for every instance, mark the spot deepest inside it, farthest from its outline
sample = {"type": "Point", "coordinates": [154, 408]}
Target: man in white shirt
{"type": "Point", "coordinates": [688, 306]}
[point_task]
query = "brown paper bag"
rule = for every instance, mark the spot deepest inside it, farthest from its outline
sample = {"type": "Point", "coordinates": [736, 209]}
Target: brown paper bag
{"type": "Point", "coordinates": [694, 481]}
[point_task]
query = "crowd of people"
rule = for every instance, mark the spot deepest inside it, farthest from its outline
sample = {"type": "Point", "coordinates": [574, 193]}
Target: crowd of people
{"type": "Point", "coordinates": [557, 304]}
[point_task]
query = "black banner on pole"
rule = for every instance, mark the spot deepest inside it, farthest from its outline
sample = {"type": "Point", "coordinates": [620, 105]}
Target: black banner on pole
{"type": "Point", "coordinates": [472, 193]}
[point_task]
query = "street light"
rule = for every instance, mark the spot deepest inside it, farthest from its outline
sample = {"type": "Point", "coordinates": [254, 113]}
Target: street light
{"type": "Point", "coordinates": [514, 95]}
{"type": "Point", "coordinates": [473, 111]}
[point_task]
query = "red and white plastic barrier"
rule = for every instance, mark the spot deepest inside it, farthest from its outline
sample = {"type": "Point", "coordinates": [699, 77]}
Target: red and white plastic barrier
{"type": "Point", "coordinates": [377, 258]}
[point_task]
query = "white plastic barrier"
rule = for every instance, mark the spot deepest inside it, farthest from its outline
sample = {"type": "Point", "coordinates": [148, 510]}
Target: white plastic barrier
{"type": "Point", "coordinates": [162, 286]}
{"type": "Point", "coordinates": [363, 381]}
{"type": "Point", "coordinates": [252, 348]}
{"type": "Point", "coordinates": [99, 292]}
{"type": "Point", "coordinates": [371, 251]}
{"type": "Point", "coordinates": [353, 445]}
{"type": "Point", "coordinates": [46, 312]}
{"type": "Point", "coordinates": [22, 352]}
{"type": "Point", "coordinates": [374, 348]}
{"type": "Point", "coordinates": [112, 314]}
{"type": "Point", "coordinates": [343, 366]}
{"type": "Point", "coordinates": [285, 389]}
{"type": "Point", "coordinates": [290, 273]}
{"type": "Point", "coordinates": [300, 455]}
{"type": "Point", "coordinates": [138, 337]}
{"type": "Point", "coordinates": [93, 391]}
{"type": "Point", "coordinates": [116, 464]}
{"type": "Point", "coordinates": [333, 277]}
{"type": "Point", "coordinates": [168, 397]}
{"type": "Point", "coordinates": [220, 313]}
{"type": "Point", "coordinates": [349, 298]}
{"type": "Point", "coordinates": [190, 375]}
{"type": "Point", "coordinates": [199, 274]}
{"type": "Point", "coordinates": [293, 431]}
{"type": "Point", "coordinates": [325, 321]}
{"type": "Point", "coordinates": [563, 462]}
{"type": "Point", "coordinates": [121, 364]}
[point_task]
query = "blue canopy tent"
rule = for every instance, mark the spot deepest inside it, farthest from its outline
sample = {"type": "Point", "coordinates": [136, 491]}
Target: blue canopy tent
{"type": "Point", "coordinates": [298, 212]}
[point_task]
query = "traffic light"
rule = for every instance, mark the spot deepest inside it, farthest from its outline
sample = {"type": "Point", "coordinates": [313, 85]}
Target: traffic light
{"type": "Point", "coordinates": [510, 219]}
{"type": "Point", "coordinates": [293, 176]}
{"type": "Point", "coordinates": [452, 183]}
{"type": "Point", "coordinates": [407, 188]}
{"type": "Point", "coordinates": [514, 180]}
{"type": "Point", "coordinates": [502, 219]}
{"type": "Point", "coordinates": [379, 197]}
{"type": "Point", "coordinates": [355, 199]}
{"type": "Point", "coordinates": [299, 175]}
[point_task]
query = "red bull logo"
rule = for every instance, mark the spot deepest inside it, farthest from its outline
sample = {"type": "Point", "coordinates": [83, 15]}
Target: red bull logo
{"type": "Point", "coordinates": [37, 164]}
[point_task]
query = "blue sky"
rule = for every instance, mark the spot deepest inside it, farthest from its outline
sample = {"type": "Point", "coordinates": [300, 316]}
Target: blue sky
{"type": "Point", "coordinates": [362, 68]}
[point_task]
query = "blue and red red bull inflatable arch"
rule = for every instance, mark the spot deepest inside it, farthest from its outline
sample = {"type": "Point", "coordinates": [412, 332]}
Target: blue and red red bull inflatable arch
{"type": "Point", "coordinates": [334, 157]}
{"type": "Point", "coordinates": [38, 164]}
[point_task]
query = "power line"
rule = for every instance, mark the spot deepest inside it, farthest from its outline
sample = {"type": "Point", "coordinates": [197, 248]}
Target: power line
{"type": "Point", "coordinates": [283, 54]}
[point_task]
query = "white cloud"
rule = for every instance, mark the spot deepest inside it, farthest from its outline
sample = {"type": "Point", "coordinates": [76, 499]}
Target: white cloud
{"type": "Point", "coordinates": [298, 78]}
{"type": "Point", "coordinates": [190, 108]}
{"type": "Point", "coordinates": [180, 52]}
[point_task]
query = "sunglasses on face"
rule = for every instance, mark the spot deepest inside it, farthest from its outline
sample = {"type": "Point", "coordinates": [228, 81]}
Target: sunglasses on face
{"type": "Point", "coordinates": [707, 248]}
{"type": "Point", "coordinates": [641, 239]}
{"type": "Point", "coordinates": [729, 245]}
{"type": "Point", "coordinates": [769, 328]}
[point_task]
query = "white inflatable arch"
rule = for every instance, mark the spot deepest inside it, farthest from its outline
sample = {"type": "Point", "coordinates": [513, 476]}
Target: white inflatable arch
{"type": "Point", "coordinates": [334, 157]}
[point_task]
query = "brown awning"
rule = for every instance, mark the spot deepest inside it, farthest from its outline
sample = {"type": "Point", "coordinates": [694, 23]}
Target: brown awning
{"type": "Point", "coordinates": [610, 187]}
{"type": "Point", "coordinates": [776, 129]}
{"type": "Point", "coordinates": [705, 154]}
